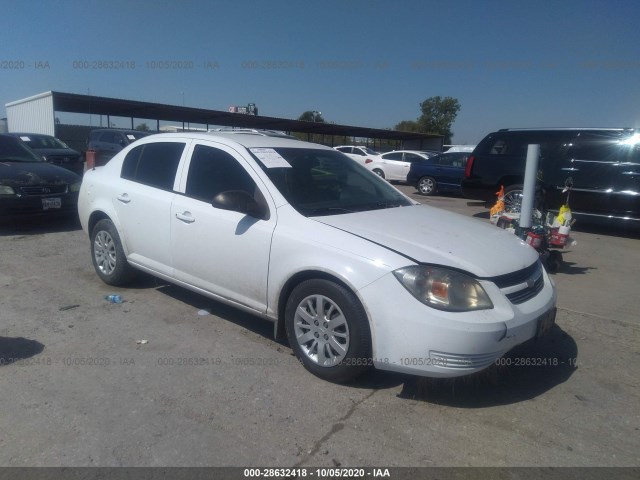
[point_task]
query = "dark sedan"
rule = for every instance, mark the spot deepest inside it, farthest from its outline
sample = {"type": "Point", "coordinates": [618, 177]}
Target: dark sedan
{"type": "Point", "coordinates": [441, 173]}
{"type": "Point", "coordinates": [29, 185]}
{"type": "Point", "coordinates": [53, 150]}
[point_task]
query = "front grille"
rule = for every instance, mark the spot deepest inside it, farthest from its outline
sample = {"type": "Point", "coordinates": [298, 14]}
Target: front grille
{"type": "Point", "coordinates": [531, 276]}
{"type": "Point", "coordinates": [527, 293]}
{"type": "Point", "coordinates": [515, 278]}
{"type": "Point", "coordinates": [44, 189]}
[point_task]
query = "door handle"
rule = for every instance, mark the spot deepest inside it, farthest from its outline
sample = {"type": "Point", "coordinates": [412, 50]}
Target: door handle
{"type": "Point", "coordinates": [124, 198]}
{"type": "Point", "coordinates": [185, 217]}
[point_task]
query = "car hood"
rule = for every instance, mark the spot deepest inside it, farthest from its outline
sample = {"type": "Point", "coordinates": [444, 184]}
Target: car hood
{"type": "Point", "coordinates": [430, 235]}
{"type": "Point", "coordinates": [34, 173]}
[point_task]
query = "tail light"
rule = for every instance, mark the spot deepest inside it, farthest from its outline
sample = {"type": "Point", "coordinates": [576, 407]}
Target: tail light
{"type": "Point", "coordinates": [368, 160]}
{"type": "Point", "coordinates": [467, 169]}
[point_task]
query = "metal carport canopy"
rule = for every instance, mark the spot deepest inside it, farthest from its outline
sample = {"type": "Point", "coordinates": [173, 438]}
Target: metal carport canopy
{"type": "Point", "coordinates": [88, 104]}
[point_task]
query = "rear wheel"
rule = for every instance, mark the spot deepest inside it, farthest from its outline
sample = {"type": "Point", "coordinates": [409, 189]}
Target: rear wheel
{"type": "Point", "coordinates": [108, 255]}
{"type": "Point", "coordinates": [427, 186]}
{"type": "Point", "coordinates": [328, 330]}
{"type": "Point", "coordinates": [378, 172]}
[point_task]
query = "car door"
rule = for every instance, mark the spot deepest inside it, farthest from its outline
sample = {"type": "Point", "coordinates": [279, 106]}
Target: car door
{"type": "Point", "coordinates": [450, 170]}
{"type": "Point", "coordinates": [393, 165]}
{"type": "Point", "coordinates": [142, 202]}
{"type": "Point", "coordinates": [220, 251]}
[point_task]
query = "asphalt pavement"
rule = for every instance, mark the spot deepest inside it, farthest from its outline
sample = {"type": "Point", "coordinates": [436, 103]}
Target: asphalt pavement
{"type": "Point", "coordinates": [154, 382]}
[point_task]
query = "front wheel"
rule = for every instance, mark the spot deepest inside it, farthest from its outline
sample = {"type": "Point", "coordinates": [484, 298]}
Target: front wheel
{"type": "Point", "coordinates": [378, 172]}
{"type": "Point", "coordinates": [108, 255]}
{"type": "Point", "coordinates": [513, 199]}
{"type": "Point", "coordinates": [427, 186]}
{"type": "Point", "coordinates": [328, 330]}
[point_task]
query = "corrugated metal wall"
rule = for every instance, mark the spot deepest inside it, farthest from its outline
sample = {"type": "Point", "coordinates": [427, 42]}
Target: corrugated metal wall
{"type": "Point", "coordinates": [32, 115]}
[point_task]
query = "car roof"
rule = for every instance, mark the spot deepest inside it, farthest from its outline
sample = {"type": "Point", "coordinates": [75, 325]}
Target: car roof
{"type": "Point", "coordinates": [24, 134]}
{"type": "Point", "coordinates": [247, 140]}
{"type": "Point", "coordinates": [420, 152]}
{"type": "Point", "coordinates": [352, 146]}
{"type": "Point", "coordinates": [120, 130]}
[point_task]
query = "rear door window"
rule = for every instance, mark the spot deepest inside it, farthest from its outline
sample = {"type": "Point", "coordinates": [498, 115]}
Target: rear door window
{"type": "Point", "coordinates": [397, 156]}
{"type": "Point", "coordinates": [412, 157]}
{"type": "Point", "coordinates": [153, 164]}
{"type": "Point", "coordinates": [445, 160]}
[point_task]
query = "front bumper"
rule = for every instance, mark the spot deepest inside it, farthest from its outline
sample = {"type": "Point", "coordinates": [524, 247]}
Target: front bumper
{"type": "Point", "coordinates": [15, 205]}
{"type": "Point", "coordinates": [410, 337]}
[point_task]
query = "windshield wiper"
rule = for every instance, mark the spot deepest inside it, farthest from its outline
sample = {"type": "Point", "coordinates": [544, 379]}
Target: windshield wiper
{"type": "Point", "coordinates": [328, 211]}
{"type": "Point", "coordinates": [379, 205]}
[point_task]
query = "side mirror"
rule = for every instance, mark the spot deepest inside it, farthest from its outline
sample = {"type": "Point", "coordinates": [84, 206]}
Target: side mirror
{"type": "Point", "coordinates": [242, 202]}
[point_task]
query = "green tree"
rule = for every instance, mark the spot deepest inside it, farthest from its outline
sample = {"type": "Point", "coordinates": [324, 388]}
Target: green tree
{"type": "Point", "coordinates": [312, 116]}
{"type": "Point", "coordinates": [408, 126]}
{"type": "Point", "coordinates": [143, 127]}
{"type": "Point", "coordinates": [438, 114]}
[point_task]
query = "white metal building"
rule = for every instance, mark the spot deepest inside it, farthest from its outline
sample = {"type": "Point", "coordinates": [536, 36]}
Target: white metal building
{"type": "Point", "coordinates": [33, 114]}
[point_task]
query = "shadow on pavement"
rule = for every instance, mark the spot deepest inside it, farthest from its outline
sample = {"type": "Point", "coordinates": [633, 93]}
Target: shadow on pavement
{"type": "Point", "coordinates": [14, 349]}
{"type": "Point", "coordinates": [526, 372]}
{"type": "Point", "coordinates": [38, 225]}
{"type": "Point", "coordinates": [569, 268]}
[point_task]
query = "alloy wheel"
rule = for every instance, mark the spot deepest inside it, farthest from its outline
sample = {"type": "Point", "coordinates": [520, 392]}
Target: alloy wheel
{"type": "Point", "coordinates": [104, 252]}
{"type": "Point", "coordinates": [321, 330]}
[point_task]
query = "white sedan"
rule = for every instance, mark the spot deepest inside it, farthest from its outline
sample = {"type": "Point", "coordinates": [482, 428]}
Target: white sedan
{"type": "Point", "coordinates": [356, 273]}
{"type": "Point", "coordinates": [362, 155]}
{"type": "Point", "coordinates": [395, 166]}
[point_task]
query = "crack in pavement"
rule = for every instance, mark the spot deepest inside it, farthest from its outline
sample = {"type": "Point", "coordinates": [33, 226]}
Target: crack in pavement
{"type": "Point", "coordinates": [335, 428]}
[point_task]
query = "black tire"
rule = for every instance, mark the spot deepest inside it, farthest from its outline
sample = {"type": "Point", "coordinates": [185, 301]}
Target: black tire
{"type": "Point", "coordinates": [342, 307]}
{"type": "Point", "coordinates": [427, 186]}
{"type": "Point", "coordinates": [513, 198]}
{"type": "Point", "coordinates": [554, 261]}
{"type": "Point", "coordinates": [378, 172]}
{"type": "Point", "coordinates": [108, 255]}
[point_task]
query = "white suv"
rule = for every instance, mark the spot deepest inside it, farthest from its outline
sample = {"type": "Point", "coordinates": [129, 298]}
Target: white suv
{"type": "Point", "coordinates": [363, 155]}
{"type": "Point", "coordinates": [356, 273]}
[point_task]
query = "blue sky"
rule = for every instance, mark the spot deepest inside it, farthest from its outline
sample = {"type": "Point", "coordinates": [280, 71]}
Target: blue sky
{"type": "Point", "coordinates": [368, 63]}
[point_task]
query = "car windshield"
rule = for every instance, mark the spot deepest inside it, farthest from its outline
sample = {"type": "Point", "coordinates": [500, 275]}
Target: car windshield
{"type": "Point", "coordinates": [12, 150]}
{"type": "Point", "coordinates": [42, 141]}
{"type": "Point", "coordinates": [323, 182]}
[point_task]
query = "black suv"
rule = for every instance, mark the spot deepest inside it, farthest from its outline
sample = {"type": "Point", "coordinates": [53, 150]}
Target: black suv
{"type": "Point", "coordinates": [603, 165]}
{"type": "Point", "coordinates": [108, 141]}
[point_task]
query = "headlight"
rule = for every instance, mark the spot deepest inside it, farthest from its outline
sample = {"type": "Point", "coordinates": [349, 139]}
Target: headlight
{"type": "Point", "coordinates": [75, 187]}
{"type": "Point", "coordinates": [444, 289]}
{"type": "Point", "coordinates": [7, 190]}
